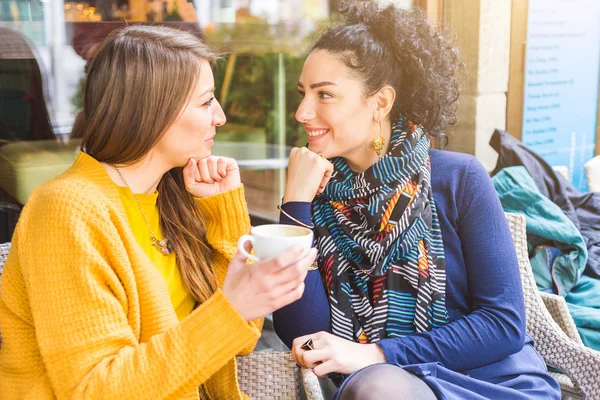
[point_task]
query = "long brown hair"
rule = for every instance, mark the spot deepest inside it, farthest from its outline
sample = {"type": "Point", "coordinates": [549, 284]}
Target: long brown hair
{"type": "Point", "coordinates": [137, 84]}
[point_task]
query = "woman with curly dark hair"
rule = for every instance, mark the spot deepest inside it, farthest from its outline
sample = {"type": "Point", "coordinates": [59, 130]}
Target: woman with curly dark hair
{"type": "Point", "coordinates": [417, 293]}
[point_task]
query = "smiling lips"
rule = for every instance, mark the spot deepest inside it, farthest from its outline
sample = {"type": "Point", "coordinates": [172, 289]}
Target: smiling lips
{"type": "Point", "coordinates": [315, 134]}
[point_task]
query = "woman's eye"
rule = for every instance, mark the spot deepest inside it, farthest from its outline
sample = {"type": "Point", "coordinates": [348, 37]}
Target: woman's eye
{"type": "Point", "coordinates": [325, 95]}
{"type": "Point", "coordinates": [209, 102]}
{"type": "Point", "coordinates": [301, 94]}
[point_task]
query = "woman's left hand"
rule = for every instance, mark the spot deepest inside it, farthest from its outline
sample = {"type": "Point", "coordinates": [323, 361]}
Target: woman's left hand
{"type": "Point", "coordinates": [211, 175]}
{"type": "Point", "coordinates": [334, 354]}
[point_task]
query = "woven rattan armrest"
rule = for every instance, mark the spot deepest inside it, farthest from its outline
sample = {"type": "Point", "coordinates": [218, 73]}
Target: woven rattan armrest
{"type": "Point", "coordinates": [274, 375]}
{"type": "Point", "coordinates": [557, 307]}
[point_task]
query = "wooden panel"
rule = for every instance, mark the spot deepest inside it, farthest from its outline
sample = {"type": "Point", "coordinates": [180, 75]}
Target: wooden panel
{"type": "Point", "coordinates": [433, 7]}
{"type": "Point", "coordinates": [598, 126]}
{"type": "Point", "coordinates": [516, 80]}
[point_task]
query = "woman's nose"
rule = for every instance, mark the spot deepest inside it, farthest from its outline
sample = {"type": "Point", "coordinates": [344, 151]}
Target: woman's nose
{"type": "Point", "coordinates": [218, 114]}
{"type": "Point", "coordinates": [305, 111]}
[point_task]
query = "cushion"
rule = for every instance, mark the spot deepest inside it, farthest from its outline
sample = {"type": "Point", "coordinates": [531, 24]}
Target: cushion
{"type": "Point", "coordinates": [592, 172]}
{"type": "Point", "coordinates": [27, 164]}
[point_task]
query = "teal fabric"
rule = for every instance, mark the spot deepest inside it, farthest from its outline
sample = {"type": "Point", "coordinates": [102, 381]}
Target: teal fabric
{"type": "Point", "coordinates": [547, 225]}
{"type": "Point", "coordinates": [584, 306]}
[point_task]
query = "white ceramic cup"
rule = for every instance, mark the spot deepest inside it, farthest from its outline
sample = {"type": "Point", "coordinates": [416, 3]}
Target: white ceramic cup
{"type": "Point", "coordinates": [271, 240]}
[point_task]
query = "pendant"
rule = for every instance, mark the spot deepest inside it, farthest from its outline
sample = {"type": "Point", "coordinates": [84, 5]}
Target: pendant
{"type": "Point", "coordinates": [161, 245]}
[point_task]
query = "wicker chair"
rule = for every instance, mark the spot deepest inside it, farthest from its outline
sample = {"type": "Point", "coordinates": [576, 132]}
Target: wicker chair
{"type": "Point", "coordinates": [553, 329]}
{"type": "Point", "coordinates": [273, 375]}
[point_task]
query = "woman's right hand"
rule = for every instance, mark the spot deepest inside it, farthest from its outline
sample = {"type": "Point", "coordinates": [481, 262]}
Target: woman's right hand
{"type": "Point", "coordinates": [256, 290]}
{"type": "Point", "coordinates": [308, 173]}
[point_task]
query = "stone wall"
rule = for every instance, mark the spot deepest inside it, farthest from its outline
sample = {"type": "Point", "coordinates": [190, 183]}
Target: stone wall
{"type": "Point", "coordinates": [482, 30]}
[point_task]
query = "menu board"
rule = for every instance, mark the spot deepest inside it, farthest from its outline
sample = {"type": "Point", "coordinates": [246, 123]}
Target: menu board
{"type": "Point", "coordinates": [562, 70]}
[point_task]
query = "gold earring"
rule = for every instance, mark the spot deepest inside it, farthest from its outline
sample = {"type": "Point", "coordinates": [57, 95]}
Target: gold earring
{"type": "Point", "coordinates": [378, 143]}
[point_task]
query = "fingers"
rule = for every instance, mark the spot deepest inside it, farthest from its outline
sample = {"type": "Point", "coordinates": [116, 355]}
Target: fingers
{"type": "Point", "coordinates": [214, 168]}
{"type": "Point", "coordinates": [239, 256]}
{"type": "Point", "coordinates": [285, 286]}
{"type": "Point", "coordinates": [230, 164]}
{"type": "Point", "coordinates": [237, 263]}
{"type": "Point", "coordinates": [289, 297]}
{"type": "Point", "coordinates": [294, 356]}
{"type": "Point", "coordinates": [323, 183]}
{"type": "Point", "coordinates": [300, 340]}
{"type": "Point", "coordinates": [191, 175]}
{"type": "Point", "coordinates": [204, 173]}
{"type": "Point", "coordinates": [297, 350]}
{"type": "Point", "coordinates": [207, 169]}
{"type": "Point", "coordinates": [197, 175]}
{"type": "Point", "coordinates": [312, 358]}
{"type": "Point", "coordinates": [327, 172]}
{"type": "Point", "coordinates": [248, 246]}
{"type": "Point", "coordinates": [282, 261]}
{"type": "Point", "coordinates": [295, 272]}
{"type": "Point", "coordinates": [325, 368]}
{"type": "Point", "coordinates": [300, 358]}
{"type": "Point", "coordinates": [293, 154]}
{"type": "Point", "coordinates": [222, 167]}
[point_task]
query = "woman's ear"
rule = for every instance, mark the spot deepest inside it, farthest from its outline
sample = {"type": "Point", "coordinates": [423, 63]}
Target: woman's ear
{"type": "Point", "coordinates": [384, 99]}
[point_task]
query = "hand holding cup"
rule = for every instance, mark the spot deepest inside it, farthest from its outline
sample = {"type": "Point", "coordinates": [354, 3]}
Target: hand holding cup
{"type": "Point", "coordinates": [277, 278]}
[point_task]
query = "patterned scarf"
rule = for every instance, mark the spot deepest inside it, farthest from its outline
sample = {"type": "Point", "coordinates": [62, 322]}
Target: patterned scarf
{"type": "Point", "coordinates": [381, 254]}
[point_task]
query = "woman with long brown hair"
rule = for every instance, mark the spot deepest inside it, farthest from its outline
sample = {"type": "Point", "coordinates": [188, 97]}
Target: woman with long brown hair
{"type": "Point", "coordinates": [123, 280]}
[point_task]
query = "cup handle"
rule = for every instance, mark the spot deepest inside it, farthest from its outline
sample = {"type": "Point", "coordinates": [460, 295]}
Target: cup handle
{"type": "Point", "coordinates": [241, 242]}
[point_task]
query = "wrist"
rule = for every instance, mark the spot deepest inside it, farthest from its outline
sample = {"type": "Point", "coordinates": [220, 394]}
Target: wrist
{"type": "Point", "coordinates": [377, 354]}
{"type": "Point", "coordinates": [299, 197]}
{"type": "Point", "coordinates": [231, 186]}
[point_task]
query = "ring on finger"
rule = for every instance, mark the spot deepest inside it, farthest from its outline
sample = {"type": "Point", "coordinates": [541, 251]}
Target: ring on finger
{"type": "Point", "coordinates": [308, 345]}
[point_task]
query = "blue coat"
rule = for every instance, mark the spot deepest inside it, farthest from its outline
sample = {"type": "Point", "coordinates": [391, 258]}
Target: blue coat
{"type": "Point", "coordinates": [484, 352]}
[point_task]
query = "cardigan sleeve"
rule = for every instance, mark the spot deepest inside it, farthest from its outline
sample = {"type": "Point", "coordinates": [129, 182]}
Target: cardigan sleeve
{"type": "Point", "coordinates": [495, 328]}
{"type": "Point", "coordinates": [70, 256]}
{"type": "Point", "coordinates": [310, 313]}
{"type": "Point", "coordinates": [227, 219]}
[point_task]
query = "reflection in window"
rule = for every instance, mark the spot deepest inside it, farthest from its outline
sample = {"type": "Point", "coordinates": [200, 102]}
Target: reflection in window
{"type": "Point", "coordinates": [45, 46]}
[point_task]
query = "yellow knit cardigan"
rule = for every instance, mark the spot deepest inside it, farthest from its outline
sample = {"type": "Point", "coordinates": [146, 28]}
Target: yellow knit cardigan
{"type": "Point", "coordinates": [85, 314]}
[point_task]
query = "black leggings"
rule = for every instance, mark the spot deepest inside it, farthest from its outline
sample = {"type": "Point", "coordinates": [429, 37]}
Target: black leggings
{"type": "Point", "coordinates": [384, 381]}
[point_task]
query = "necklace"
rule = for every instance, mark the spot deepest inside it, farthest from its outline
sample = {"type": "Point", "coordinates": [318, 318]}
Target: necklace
{"type": "Point", "coordinates": [160, 245]}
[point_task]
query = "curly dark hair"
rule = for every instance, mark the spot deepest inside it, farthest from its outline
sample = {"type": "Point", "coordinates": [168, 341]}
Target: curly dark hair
{"type": "Point", "coordinates": [400, 48]}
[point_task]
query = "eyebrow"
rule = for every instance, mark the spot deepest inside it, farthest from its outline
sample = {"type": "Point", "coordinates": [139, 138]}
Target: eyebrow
{"type": "Point", "coordinates": [317, 85]}
{"type": "Point", "coordinates": [206, 91]}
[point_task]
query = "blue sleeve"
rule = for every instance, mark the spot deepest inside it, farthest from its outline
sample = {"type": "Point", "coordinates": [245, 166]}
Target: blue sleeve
{"type": "Point", "coordinates": [310, 313]}
{"type": "Point", "coordinates": [495, 328]}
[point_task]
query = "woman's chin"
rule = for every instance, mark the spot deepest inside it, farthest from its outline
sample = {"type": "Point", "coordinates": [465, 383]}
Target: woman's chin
{"type": "Point", "coordinates": [197, 155]}
{"type": "Point", "coordinates": [203, 154]}
{"type": "Point", "coordinates": [314, 148]}
{"type": "Point", "coordinates": [327, 153]}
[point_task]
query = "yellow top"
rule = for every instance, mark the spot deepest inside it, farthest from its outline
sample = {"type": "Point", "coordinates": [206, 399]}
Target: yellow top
{"type": "Point", "coordinates": [182, 300]}
{"type": "Point", "coordinates": [84, 313]}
